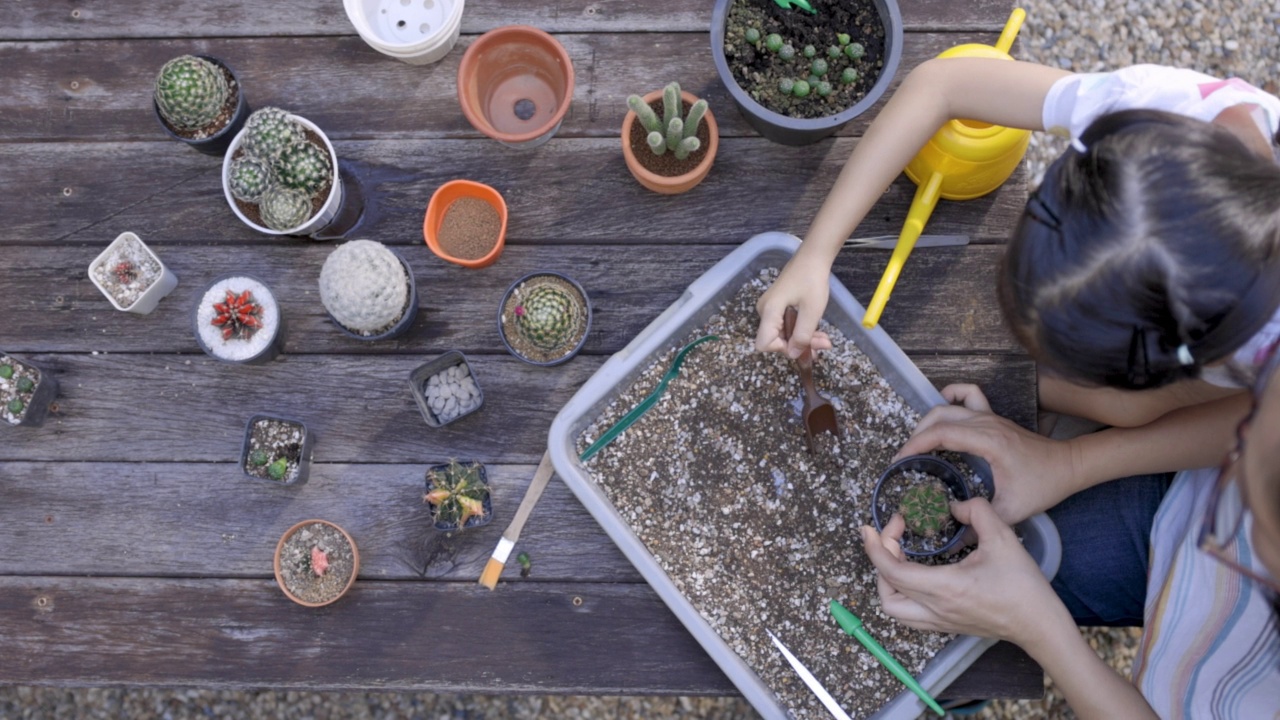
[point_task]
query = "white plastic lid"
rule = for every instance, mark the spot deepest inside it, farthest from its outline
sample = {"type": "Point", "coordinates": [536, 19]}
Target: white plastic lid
{"type": "Point", "coordinates": [408, 22]}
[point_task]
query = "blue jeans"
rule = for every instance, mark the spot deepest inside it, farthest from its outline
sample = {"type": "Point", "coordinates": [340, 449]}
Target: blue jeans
{"type": "Point", "coordinates": [1105, 549]}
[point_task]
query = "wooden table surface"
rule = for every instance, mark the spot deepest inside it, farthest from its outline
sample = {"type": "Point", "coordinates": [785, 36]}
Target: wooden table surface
{"type": "Point", "coordinates": [133, 550]}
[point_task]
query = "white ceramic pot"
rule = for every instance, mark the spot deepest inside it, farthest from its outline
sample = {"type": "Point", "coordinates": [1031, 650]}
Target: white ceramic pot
{"type": "Point", "coordinates": [327, 211]}
{"type": "Point", "coordinates": [417, 32]}
{"type": "Point", "coordinates": [128, 247]}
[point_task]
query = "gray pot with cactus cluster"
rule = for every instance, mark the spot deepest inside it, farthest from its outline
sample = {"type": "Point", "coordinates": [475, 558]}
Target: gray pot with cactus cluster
{"type": "Point", "coordinates": [544, 318]}
{"type": "Point", "coordinates": [199, 100]}
{"type": "Point", "coordinates": [275, 176]}
{"type": "Point", "coordinates": [368, 290]}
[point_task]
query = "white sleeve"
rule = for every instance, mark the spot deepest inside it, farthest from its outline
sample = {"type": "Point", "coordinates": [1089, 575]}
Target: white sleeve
{"type": "Point", "coordinates": [1077, 100]}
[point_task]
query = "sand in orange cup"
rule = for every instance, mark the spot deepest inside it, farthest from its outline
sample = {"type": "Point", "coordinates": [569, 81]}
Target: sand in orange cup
{"type": "Point", "coordinates": [445, 196]}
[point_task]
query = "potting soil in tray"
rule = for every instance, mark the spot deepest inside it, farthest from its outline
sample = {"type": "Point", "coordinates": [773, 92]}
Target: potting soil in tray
{"type": "Point", "coordinates": [754, 531]}
{"type": "Point", "coordinates": [296, 567]}
{"type": "Point", "coordinates": [759, 71]}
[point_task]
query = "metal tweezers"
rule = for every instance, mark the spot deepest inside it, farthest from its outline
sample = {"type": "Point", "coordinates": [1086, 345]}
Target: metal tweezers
{"type": "Point", "coordinates": [889, 242]}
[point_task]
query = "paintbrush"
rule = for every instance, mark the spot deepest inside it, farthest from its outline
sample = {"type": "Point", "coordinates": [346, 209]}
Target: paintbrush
{"type": "Point", "coordinates": [498, 561]}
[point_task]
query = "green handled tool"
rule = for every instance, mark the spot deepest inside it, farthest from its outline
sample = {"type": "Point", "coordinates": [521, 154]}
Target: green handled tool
{"type": "Point", "coordinates": [852, 625]}
{"type": "Point", "coordinates": [645, 404]}
{"type": "Point", "coordinates": [802, 4]}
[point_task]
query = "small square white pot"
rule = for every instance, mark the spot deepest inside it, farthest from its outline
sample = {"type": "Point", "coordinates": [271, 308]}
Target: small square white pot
{"type": "Point", "coordinates": [147, 301]}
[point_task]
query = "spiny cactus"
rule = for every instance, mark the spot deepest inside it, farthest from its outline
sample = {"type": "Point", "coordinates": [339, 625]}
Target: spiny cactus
{"type": "Point", "coordinates": [925, 509]}
{"type": "Point", "coordinates": [670, 132]}
{"type": "Point", "coordinates": [278, 468]}
{"type": "Point", "coordinates": [284, 209]}
{"type": "Point", "coordinates": [269, 131]}
{"type": "Point", "coordinates": [238, 315]}
{"type": "Point", "coordinates": [304, 167]}
{"type": "Point", "coordinates": [547, 317]}
{"type": "Point", "coordinates": [456, 493]}
{"type": "Point", "coordinates": [249, 178]}
{"type": "Point", "coordinates": [364, 286]}
{"type": "Point", "coordinates": [190, 92]}
{"type": "Point", "coordinates": [125, 272]}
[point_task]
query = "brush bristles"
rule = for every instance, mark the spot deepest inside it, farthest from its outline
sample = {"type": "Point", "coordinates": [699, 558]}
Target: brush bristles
{"type": "Point", "coordinates": [489, 578]}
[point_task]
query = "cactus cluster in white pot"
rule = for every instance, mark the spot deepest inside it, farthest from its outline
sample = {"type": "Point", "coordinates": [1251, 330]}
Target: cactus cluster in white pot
{"type": "Point", "coordinates": [274, 167]}
{"type": "Point", "coordinates": [367, 290]}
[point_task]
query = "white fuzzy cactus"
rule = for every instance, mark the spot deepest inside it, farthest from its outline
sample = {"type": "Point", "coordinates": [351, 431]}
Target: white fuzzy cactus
{"type": "Point", "coordinates": [364, 287]}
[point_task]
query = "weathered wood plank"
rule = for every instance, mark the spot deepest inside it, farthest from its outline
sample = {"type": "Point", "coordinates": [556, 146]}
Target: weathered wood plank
{"type": "Point", "coordinates": [944, 301]}
{"type": "Point", "coordinates": [573, 190]}
{"type": "Point", "coordinates": [158, 408]}
{"type": "Point", "coordinates": [537, 638]}
{"type": "Point", "coordinates": [99, 90]}
{"type": "Point", "coordinates": [235, 18]}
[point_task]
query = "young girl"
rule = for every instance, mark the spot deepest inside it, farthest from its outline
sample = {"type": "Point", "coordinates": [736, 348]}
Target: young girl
{"type": "Point", "coordinates": [1145, 271]}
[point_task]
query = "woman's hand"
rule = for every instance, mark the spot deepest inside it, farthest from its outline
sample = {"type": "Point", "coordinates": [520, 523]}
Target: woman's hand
{"type": "Point", "coordinates": [1032, 473]}
{"type": "Point", "coordinates": [802, 284]}
{"type": "Point", "coordinates": [997, 591]}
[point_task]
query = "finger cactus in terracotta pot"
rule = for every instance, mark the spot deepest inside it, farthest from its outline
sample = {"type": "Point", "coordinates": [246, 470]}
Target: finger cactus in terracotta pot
{"type": "Point", "coordinates": [669, 140]}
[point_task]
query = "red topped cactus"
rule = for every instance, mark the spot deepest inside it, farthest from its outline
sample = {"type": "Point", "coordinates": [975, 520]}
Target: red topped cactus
{"type": "Point", "coordinates": [238, 316]}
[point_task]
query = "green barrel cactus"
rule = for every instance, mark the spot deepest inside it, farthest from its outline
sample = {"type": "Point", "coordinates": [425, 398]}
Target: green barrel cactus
{"type": "Point", "coordinates": [547, 317]}
{"type": "Point", "coordinates": [364, 287]}
{"type": "Point", "coordinates": [190, 92]}
{"type": "Point", "coordinates": [283, 208]}
{"type": "Point", "coordinates": [249, 178]}
{"type": "Point", "coordinates": [670, 132]}
{"type": "Point", "coordinates": [304, 167]}
{"type": "Point", "coordinates": [925, 509]}
{"type": "Point", "coordinates": [269, 131]}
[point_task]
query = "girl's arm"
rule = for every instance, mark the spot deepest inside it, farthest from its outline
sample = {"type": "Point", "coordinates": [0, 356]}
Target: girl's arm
{"type": "Point", "coordinates": [998, 591]}
{"type": "Point", "coordinates": [995, 91]}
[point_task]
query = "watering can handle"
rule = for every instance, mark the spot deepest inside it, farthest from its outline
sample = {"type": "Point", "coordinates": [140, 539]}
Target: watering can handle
{"type": "Point", "coordinates": [1011, 28]}
{"type": "Point", "coordinates": [922, 206]}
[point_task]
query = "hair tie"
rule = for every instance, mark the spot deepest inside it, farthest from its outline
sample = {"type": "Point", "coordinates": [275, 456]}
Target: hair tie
{"type": "Point", "coordinates": [1184, 356]}
{"type": "Point", "coordinates": [1078, 144]}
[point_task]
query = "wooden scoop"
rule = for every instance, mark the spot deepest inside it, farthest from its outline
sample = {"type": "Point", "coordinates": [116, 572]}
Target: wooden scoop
{"type": "Point", "coordinates": [819, 414]}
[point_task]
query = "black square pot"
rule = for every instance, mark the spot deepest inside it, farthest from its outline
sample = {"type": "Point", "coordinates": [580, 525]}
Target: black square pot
{"type": "Point", "coordinates": [474, 521]}
{"type": "Point", "coordinates": [304, 453]}
{"type": "Point", "coordinates": [936, 467]}
{"type": "Point", "coordinates": [37, 403]}
{"type": "Point", "coordinates": [418, 385]}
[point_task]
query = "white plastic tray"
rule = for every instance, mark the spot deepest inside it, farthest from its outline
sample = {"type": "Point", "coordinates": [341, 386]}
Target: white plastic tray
{"type": "Point", "coordinates": [701, 300]}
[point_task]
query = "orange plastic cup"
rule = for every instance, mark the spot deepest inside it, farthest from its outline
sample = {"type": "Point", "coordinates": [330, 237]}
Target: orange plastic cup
{"type": "Point", "coordinates": [440, 202]}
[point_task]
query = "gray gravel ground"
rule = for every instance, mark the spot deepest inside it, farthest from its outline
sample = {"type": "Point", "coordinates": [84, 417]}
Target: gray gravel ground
{"type": "Point", "coordinates": [1224, 38]}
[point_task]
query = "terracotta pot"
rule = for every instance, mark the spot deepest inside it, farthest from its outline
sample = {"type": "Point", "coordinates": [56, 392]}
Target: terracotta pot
{"type": "Point", "coordinates": [515, 84]}
{"type": "Point", "coordinates": [355, 563]}
{"type": "Point", "coordinates": [679, 183]}
{"type": "Point", "coordinates": [439, 205]}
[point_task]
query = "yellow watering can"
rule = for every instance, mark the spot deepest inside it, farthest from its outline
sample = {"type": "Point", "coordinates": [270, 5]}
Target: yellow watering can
{"type": "Point", "coordinates": [966, 159]}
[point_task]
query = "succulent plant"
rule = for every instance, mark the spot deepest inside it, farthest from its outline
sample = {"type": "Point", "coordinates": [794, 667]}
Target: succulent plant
{"type": "Point", "coordinates": [190, 92]}
{"type": "Point", "coordinates": [842, 38]}
{"type": "Point", "coordinates": [855, 51]}
{"type": "Point", "coordinates": [670, 132]}
{"type": "Point", "coordinates": [849, 76]}
{"type": "Point", "coordinates": [26, 385]}
{"type": "Point", "coordinates": [259, 457]}
{"type": "Point", "coordinates": [238, 315]}
{"type": "Point", "coordinates": [304, 167]}
{"type": "Point", "coordinates": [547, 317]}
{"type": "Point", "coordinates": [284, 209]}
{"type": "Point", "coordinates": [249, 178]}
{"type": "Point", "coordinates": [752, 35]}
{"type": "Point", "coordinates": [456, 493]}
{"type": "Point", "coordinates": [6, 371]}
{"type": "Point", "coordinates": [364, 286]}
{"type": "Point", "coordinates": [278, 468]}
{"type": "Point", "coordinates": [833, 52]}
{"type": "Point", "coordinates": [16, 406]}
{"type": "Point", "coordinates": [787, 52]}
{"type": "Point", "coordinates": [786, 85]}
{"type": "Point", "coordinates": [818, 67]}
{"type": "Point", "coordinates": [800, 89]}
{"type": "Point", "coordinates": [925, 509]}
{"type": "Point", "coordinates": [269, 131]}
{"type": "Point", "coordinates": [773, 42]}
{"type": "Point", "coordinates": [809, 51]}
{"type": "Point", "coordinates": [823, 88]}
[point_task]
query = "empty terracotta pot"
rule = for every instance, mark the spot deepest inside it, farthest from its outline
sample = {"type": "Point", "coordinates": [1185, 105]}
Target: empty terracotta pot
{"type": "Point", "coordinates": [515, 84]}
{"type": "Point", "coordinates": [675, 184]}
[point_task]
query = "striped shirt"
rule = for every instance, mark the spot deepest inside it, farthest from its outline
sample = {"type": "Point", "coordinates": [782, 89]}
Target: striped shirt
{"type": "Point", "coordinates": [1210, 648]}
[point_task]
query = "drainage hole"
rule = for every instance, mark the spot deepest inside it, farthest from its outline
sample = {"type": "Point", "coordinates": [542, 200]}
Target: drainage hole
{"type": "Point", "coordinates": [405, 2]}
{"type": "Point", "coordinates": [425, 28]}
{"type": "Point", "coordinates": [428, 4]}
{"type": "Point", "coordinates": [525, 109]}
{"type": "Point", "coordinates": [400, 23]}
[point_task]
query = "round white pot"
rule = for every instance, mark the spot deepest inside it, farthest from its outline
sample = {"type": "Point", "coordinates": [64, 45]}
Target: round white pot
{"type": "Point", "coordinates": [128, 246]}
{"type": "Point", "coordinates": [327, 211]}
{"type": "Point", "coordinates": [417, 32]}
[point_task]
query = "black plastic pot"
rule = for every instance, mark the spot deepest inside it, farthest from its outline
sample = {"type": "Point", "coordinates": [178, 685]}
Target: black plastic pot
{"type": "Point", "coordinates": [787, 130]}
{"type": "Point", "coordinates": [586, 301]}
{"type": "Point", "coordinates": [474, 521]}
{"type": "Point", "coordinates": [936, 467]}
{"type": "Point", "coordinates": [402, 325]}
{"type": "Point", "coordinates": [268, 353]}
{"type": "Point", "coordinates": [418, 385]}
{"type": "Point", "coordinates": [42, 395]}
{"type": "Point", "coordinates": [304, 454]}
{"type": "Point", "coordinates": [217, 143]}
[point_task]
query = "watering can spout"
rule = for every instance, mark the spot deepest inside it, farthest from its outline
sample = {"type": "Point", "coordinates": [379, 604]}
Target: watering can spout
{"type": "Point", "coordinates": [965, 159]}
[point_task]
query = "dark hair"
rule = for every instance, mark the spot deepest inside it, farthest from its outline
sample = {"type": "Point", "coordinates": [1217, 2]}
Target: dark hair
{"type": "Point", "coordinates": [1163, 232]}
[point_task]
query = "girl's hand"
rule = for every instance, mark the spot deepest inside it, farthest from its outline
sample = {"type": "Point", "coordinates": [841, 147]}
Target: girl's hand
{"type": "Point", "coordinates": [801, 285]}
{"type": "Point", "coordinates": [997, 591]}
{"type": "Point", "coordinates": [1032, 473]}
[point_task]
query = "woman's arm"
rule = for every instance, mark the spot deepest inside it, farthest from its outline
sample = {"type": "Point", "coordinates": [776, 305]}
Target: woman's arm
{"type": "Point", "coordinates": [998, 591]}
{"type": "Point", "coordinates": [995, 91]}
